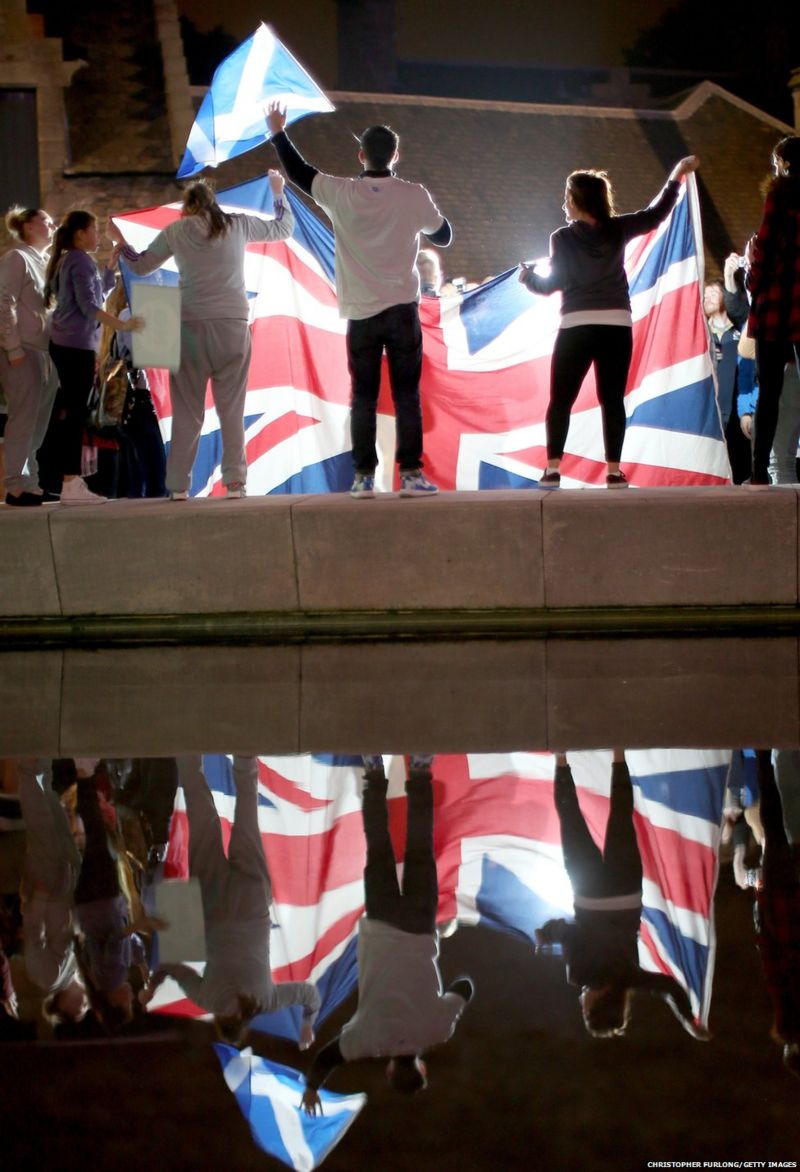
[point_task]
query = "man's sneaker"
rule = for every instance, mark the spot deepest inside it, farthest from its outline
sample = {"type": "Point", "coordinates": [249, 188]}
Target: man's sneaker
{"type": "Point", "coordinates": [416, 484]}
{"type": "Point", "coordinates": [363, 486]}
{"type": "Point", "coordinates": [616, 480]}
{"type": "Point", "coordinates": [420, 762]}
{"type": "Point", "coordinates": [235, 490]}
{"type": "Point", "coordinates": [76, 492]}
{"type": "Point", "coordinates": [550, 479]}
{"type": "Point", "coordinates": [23, 500]}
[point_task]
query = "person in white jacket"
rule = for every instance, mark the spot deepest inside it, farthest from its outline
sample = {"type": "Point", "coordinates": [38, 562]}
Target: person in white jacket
{"type": "Point", "coordinates": [209, 246]}
{"type": "Point", "coordinates": [26, 371]}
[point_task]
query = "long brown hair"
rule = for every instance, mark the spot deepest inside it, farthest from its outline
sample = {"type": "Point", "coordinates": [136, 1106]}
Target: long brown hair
{"type": "Point", "coordinates": [199, 200]}
{"type": "Point", "coordinates": [116, 301]}
{"type": "Point", "coordinates": [592, 193]}
{"type": "Point", "coordinates": [63, 241]}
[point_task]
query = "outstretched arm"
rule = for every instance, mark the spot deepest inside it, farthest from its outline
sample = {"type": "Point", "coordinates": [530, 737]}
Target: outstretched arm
{"type": "Point", "coordinates": [299, 171]}
{"type": "Point", "coordinates": [326, 1060]}
{"type": "Point", "coordinates": [442, 236]}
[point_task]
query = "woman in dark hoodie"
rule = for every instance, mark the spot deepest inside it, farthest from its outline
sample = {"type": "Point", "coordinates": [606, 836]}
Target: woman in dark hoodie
{"type": "Point", "coordinates": [587, 265]}
{"type": "Point", "coordinates": [773, 279]}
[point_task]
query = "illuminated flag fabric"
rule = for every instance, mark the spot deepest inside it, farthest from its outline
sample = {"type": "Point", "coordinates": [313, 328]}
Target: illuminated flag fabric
{"type": "Point", "coordinates": [498, 856]}
{"type": "Point", "coordinates": [486, 367]}
{"type": "Point", "coordinates": [269, 1096]}
{"type": "Point", "coordinates": [230, 120]}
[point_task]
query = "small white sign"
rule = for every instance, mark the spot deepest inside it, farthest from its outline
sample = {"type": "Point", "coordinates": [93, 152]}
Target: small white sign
{"type": "Point", "coordinates": [180, 903]}
{"type": "Point", "coordinates": [159, 343]}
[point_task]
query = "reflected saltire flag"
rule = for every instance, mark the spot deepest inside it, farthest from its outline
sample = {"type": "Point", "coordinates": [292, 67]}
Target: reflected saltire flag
{"type": "Point", "coordinates": [485, 376]}
{"type": "Point", "coordinates": [269, 1096]}
{"type": "Point", "coordinates": [230, 120]}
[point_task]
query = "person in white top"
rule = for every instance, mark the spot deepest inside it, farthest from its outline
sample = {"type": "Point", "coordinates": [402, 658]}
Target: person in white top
{"type": "Point", "coordinates": [26, 370]}
{"type": "Point", "coordinates": [209, 249]}
{"type": "Point", "coordinates": [402, 1007]}
{"type": "Point", "coordinates": [236, 890]}
{"type": "Point", "coordinates": [377, 220]}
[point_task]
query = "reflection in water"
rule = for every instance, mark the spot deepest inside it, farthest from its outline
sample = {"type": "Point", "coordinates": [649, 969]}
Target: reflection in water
{"type": "Point", "coordinates": [325, 883]}
{"type": "Point", "coordinates": [601, 944]}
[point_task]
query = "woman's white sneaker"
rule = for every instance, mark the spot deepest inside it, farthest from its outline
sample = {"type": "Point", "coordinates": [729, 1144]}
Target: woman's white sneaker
{"type": "Point", "coordinates": [76, 492]}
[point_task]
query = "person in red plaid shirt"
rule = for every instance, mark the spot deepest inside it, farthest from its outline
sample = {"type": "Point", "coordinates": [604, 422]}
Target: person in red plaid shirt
{"type": "Point", "coordinates": [777, 916]}
{"type": "Point", "coordinates": [773, 279]}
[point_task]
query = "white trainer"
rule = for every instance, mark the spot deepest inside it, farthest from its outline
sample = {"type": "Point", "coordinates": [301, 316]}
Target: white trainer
{"type": "Point", "coordinates": [76, 492]}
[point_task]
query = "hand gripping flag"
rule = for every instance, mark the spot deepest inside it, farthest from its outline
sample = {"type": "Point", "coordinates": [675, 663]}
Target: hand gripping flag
{"type": "Point", "coordinates": [230, 120]}
{"type": "Point", "coordinates": [269, 1096]}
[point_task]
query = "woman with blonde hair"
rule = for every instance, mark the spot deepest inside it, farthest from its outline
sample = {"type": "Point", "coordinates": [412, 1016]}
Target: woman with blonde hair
{"type": "Point", "coordinates": [587, 266]}
{"type": "Point", "coordinates": [26, 372]}
{"type": "Point", "coordinates": [78, 289]}
{"type": "Point", "coordinates": [209, 245]}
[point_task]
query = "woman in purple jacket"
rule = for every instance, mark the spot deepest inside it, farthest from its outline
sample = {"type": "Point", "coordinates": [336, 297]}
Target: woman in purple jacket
{"type": "Point", "coordinates": [78, 289]}
{"type": "Point", "coordinates": [587, 265]}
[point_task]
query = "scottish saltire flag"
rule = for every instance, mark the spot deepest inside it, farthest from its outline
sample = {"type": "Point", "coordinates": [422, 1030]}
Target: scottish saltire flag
{"type": "Point", "coordinates": [310, 821]}
{"type": "Point", "coordinates": [486, 370]}
{"type": "Point", "coordinates": [297, 428]}
{"type": "Point", "coordinates": [269, 1096]}
{"type": "Point", "coordinates": [230, 120]}
{"type": "Point", "coordinates": [499, 858]}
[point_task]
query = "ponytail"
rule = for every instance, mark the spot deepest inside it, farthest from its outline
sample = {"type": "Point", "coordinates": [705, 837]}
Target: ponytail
{"type": "Point", "coordinates": [16, 219]}
{"type": "Point", "coordinates": [63, 241]}
{"type": "Point", "coordinates": [199, 200]}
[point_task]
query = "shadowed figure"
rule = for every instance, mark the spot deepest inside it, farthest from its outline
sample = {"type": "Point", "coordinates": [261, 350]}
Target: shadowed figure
{"type": "Point", "coordinates": [236, 890]}
{"type": "Point", "coordinates": [601, 944]}
{"type": "Point", "coordinates": [777, 906]}
{"type": "Point", "coordinates": [402, 1008]}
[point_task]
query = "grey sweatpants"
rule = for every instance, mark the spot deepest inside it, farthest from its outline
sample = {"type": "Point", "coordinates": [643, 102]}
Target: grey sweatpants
{"type": "Point", "coordinates": [30, 391]}
{"type": "Point", "coordinates": [219, 351]}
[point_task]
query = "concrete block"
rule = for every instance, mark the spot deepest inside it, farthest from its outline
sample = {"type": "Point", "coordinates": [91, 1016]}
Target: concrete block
{"type": "Point", "coordinates": [463, 549]}
{"type": "Point", "coordinates": [27, 569]}
{"type": "Point", "coordinates": [423, 697]}
{"type": "Point", "coordinates": [680, 547]}
{"type": "Point", "coordinates": [175, 557]}
{"type": "Point", "coordinates": [30, 703]}
{"type": "Point", "coordinates": [159, 702]}
{"type": "Point", "coordinates": [654, 693]}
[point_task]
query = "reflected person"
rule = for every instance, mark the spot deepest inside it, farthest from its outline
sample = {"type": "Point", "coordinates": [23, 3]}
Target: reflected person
{"type": "Point", "coordinates": [402, 1008]}
{"type": "Point", "coordinates": [777, 906]}
{"type": "Point", "coordinates": [50, 873]}
{"type": "Point", "coordinates": [601, 943]}
{"type": "Point", "coordinates": [236, 890]}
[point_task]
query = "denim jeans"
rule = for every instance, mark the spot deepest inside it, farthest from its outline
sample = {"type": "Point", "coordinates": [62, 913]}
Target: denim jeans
{"type": "Point", "coordinates": [397, 332]}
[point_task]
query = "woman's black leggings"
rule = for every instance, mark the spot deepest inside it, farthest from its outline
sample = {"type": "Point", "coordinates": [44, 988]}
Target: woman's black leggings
{"type": "Point", "coordinates": [609, 348]}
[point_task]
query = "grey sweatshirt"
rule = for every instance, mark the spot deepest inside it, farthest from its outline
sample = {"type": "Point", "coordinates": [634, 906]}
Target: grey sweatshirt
{"type": "Point", "coordinates": [23, 318]}
{"type": "Point", "coordinates": [587, 260]}
{"type": "Point", "coordinates": [211, 270]}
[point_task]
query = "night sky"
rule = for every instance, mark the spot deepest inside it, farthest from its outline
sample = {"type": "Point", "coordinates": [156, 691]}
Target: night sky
{"type": "Point", "coordinates": [584, 32]}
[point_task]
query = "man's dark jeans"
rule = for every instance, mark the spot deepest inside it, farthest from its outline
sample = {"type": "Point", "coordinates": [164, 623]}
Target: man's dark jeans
{"type": "Point", "coordinates": [397, 331]}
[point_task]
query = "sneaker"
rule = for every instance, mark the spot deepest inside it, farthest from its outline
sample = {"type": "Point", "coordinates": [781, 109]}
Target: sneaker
{"type": "Point", "coordinates": [416, 484]}
{"type": "Point", "coordinates": [235, 490]}
{"type": "Point", "coordinates": [373, 763]}
{"type": "Point", "coordinates": [616, 480]}
{"type": "Point", "coordinates": [758, 485]}
{"type": "Point", "coordinates": [77, 492]}
{"type": "Point", "coordinates": [550, 479]}
{"type": "Point", "coordinates": [23, 500]}
{"type": "Point", "coordinates": [363, 486]}
{"type": "Point", "coordinates": [420, 762]}
{"type": "Point", "coordinates": [179, 496]}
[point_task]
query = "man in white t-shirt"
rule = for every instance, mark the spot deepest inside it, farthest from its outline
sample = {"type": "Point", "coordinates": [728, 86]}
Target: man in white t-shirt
{"type": "Point", "coordinates": [377, 220]}
{"type": "Point", "coordinates": [402, 1007]}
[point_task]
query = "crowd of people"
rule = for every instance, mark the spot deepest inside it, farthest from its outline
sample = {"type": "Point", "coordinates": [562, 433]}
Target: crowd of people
{"type": "Point", "coordinates": [58, 333]}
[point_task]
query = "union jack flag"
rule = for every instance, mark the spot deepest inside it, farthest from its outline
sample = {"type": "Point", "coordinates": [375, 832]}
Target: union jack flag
{"type": "Point", "coordinates": [498, 856]}
{"type": "Point", "coordinates": [486, 366]}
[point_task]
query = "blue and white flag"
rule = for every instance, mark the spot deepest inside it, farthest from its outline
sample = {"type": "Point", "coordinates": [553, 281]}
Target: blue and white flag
{"type": "Point", "coordinates": [270, 1095]}
{"type": "Point", "coordinates": [231, 119]}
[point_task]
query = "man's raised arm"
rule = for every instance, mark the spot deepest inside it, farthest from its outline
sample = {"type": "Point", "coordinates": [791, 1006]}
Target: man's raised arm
{"type": "Point", "coordinates": [299, 171]}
